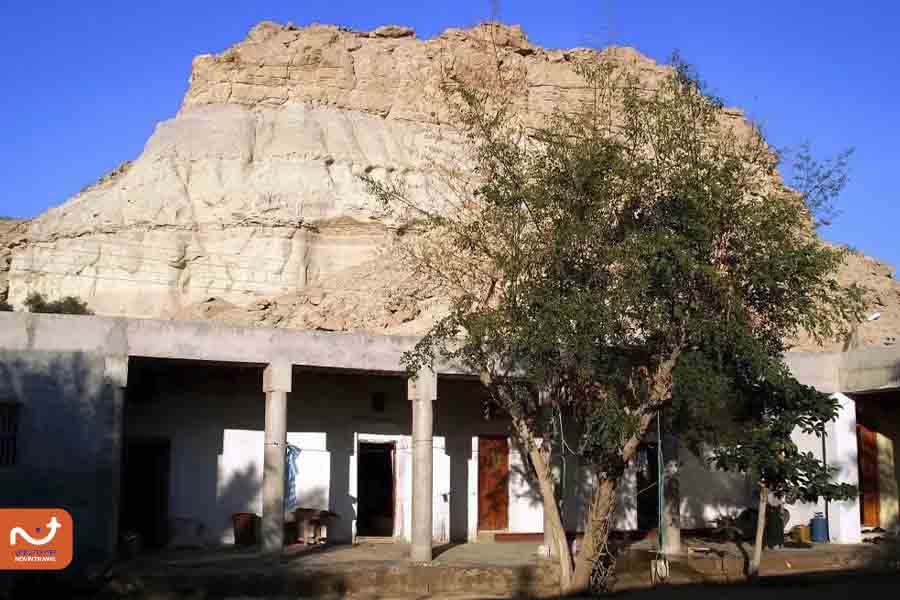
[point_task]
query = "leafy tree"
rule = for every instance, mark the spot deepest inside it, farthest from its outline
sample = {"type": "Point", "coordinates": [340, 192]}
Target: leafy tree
{"type": "Point", "coordinates": [68, 305]}
{"type": "Point", "coordinates": [819, 182]}
{"type": "Point", "coordinates": [742, 417]}
{"type": "Point", "coordinates": [594, 258]}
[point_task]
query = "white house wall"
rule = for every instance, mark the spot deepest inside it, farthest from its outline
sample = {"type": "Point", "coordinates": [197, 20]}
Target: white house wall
{"type": "Point", "coordinates": [242, 459]}
{"type": "Point", "coordinates": [440, 515]}
{"type": "Point", "coordinates": [708, 495]}
{"type": "Point", "coordinates": [801, 512]}
{"type": "Point", "coordinates": [213, 417]}
{"type": "Point", "coordinates": [578, 492]}
{"type": "Point", "coordinates": [526, 511]}
{"type": "Point", "coordinates": [840, 452]}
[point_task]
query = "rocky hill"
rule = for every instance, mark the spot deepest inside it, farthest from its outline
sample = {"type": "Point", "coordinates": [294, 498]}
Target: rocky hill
{"type": "Point", "coordinates": [883, 328]}
{"type": "Point", "coordinates": [12, 235]}
{"type": "Point", "coordinates": [247, 207]}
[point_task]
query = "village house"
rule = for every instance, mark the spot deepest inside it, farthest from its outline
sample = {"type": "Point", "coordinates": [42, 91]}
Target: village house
{"type": "Point", "coordinates": [167, 429]}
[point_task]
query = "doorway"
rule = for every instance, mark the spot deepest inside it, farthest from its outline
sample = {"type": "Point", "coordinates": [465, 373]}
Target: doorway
{"type": "Point", "coordinates": [869, 497]}
{"type": "Point", "coordinates": [145, 491]}
{"type": "Point", "coordinates": [376, 489]}
{"type": "Point", "coordinates": [493, 484]}
{"type": "Point", "coordinates": [647, 492]}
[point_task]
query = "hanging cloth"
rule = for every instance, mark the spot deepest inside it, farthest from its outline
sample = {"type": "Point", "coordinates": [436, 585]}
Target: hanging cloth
{"type": "Point", "coordinates": [291, 471]}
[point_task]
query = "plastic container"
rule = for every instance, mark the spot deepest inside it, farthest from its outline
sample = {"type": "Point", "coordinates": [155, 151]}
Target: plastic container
{"type": "Point", "coordinates": [818, 529]}
{"type": "Point", "coordinates": [800, 535]}
{"type": "Point", "coordinates": [245, 527]}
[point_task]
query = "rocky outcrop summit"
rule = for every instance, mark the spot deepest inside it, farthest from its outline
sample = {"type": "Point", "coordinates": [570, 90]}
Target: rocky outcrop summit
{"type": "Point", "coordinates": [248, 206]}
{"type": "Point", "coordinates": [253, 190]}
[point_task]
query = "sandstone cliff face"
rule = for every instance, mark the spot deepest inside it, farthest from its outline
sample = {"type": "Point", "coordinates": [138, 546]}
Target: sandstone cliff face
{"type": "Point", "coordinates": [248, 207]}
{"type": "Point", "coordinates": [12, 235]}
{"type": "Point", "coordinates": [253, 190]}
{"type": "Point", "coordinates": [883, 330]}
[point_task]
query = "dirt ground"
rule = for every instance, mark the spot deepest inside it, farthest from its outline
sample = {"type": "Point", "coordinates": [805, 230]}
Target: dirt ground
{"type": "Point", "coordinates": [465, 572]}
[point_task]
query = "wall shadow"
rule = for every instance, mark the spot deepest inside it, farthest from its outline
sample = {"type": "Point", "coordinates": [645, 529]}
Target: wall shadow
{"type": "Point", "coordinates": [191, 405]}
{"type": "Point", "coordinates": [459, 448]}
{"type": "Point", "coordinates": [67, 452]}
{"type": "Point", "coordinates": [340, 447]}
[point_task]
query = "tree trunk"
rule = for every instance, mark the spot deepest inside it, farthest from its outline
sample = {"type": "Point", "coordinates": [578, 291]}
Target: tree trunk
{"type": "Point", "coordinates": [595, 535]}
{"type": "Point", "coordinates": [599, 519]}
{"type": "Point", "coordinates": [671, 515]}
{"type": "Point", "coordinates": [552, 517]}
{"type": "Point", "coordinates": [547, 485]}
{"type": "Point", "coordinates": [753, 571]}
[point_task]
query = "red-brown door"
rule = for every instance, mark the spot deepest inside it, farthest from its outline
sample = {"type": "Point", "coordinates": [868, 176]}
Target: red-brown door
{"type": "Point", "coordinates": [493, 484]}
{"type": "Point", "coordinates": [867, 450]}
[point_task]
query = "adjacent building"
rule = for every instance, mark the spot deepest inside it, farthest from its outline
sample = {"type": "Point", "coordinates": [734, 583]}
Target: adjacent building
{"type": "Point", "coordinates": [168, 428]}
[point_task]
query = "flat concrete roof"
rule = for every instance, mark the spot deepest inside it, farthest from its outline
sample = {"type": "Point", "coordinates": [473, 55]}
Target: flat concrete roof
{"type": "Point", "coordinates": [860, 370]}
{"type": "Point", "coordinates": [199, 340]}
{"type": "Point", "coordinates": [870, 369]}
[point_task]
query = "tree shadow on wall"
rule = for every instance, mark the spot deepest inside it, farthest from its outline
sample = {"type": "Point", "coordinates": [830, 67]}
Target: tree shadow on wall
{"type": "Point", "coordinates": [575, 487]}
{"type": "Point", "coordinates": [241, 492]}
{"type": "Point", "coordinates": [67, 451]}
{"type": "Point", "coordinates": [238, 494]}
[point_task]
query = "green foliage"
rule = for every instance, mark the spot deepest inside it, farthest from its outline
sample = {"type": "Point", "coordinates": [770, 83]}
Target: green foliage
{"type": "Point", "coordinates": [819, 182]}
{"type": "Point", "coordinates": [741, 415]}
{"type": "Point", "coordinates": [632, 255]}
{"type": "Point", "coordinates": [69, 305]}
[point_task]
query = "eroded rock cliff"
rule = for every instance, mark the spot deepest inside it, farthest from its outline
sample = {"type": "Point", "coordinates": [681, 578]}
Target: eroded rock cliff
{"type": "Point", "coordinates": [247, 206]}
{"type": "Point", "coordinates": [253, 190]}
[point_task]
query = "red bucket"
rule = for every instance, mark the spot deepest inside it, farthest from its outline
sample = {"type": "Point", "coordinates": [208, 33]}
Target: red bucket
{"type": "Point", "coordinates": [245, 527]}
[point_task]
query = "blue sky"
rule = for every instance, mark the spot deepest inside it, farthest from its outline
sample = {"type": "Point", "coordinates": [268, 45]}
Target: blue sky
{"type": "Point", "coordinates": [84, 83]}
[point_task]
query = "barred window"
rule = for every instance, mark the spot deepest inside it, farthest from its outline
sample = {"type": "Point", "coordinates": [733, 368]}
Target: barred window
{"type": "Point", "coordinates": [9, 428]}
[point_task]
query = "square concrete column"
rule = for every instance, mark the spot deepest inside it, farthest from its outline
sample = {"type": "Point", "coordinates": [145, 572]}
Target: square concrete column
{"type": "Point", "coordinates": [276, 385]}
{"type": "Point", "coordinates": [841, 453]}
{"type": "Point", "coordinates": [422, 391]}
{"type": "Point", "coordinates": [116, 375]}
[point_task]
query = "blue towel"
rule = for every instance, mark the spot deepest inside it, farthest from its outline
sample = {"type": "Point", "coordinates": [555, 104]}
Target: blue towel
{"type": "Point", "coordinates": [290, 476]}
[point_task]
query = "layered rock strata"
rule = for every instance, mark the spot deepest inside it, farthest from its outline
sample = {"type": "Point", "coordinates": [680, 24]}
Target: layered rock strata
{"type": "Point", "coordinates": [248, 206]}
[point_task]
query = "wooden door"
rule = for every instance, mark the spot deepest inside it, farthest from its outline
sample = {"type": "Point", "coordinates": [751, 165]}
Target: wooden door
{"type": "Point", "coordinates": [493, 484]}
{"type": "Point", "coordinates": [867, 450]}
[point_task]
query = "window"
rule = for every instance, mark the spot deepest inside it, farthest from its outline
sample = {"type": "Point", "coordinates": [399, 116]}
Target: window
{"type": "Point", "coordinates": [9, 427]}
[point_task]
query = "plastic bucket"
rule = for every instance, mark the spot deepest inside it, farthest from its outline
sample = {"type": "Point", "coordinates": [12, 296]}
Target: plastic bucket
{"type": "Point", "coordinates": [245, 526]}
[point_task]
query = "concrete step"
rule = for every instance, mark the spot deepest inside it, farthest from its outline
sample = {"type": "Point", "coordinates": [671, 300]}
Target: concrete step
{"type": "Point", "coordinates": [488, 535]}
{"type": "Point", "coordinates": [394, 579]}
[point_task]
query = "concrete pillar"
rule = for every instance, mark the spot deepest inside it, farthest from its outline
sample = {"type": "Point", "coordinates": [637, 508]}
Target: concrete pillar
{"type": "Point", "coordinates": [841, 453]}
{"type": "Point", "coordinates": [422, 391]}
{"type": "Point", "coordinates": [116, 375]}
{"type": "Point", "coordinates": [276, 385]}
